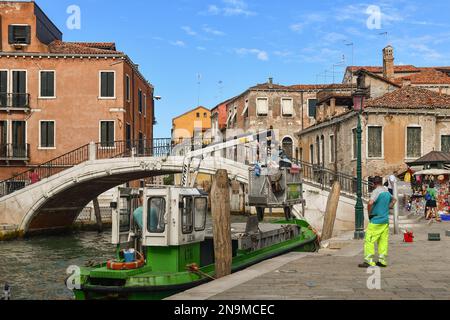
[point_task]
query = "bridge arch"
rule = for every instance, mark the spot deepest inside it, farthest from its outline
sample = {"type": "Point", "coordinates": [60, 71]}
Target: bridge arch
{"type": "Point", "coordinates": [57, 201]}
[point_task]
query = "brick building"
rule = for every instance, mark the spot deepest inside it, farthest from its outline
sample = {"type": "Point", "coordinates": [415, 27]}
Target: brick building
{"type": "Point", "coordinates": [56, 96]}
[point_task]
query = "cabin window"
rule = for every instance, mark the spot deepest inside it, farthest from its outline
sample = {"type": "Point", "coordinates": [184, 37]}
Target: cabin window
{"type": "Point", "coordinates": [107, 84]}
{"type": "Point", "coordinates": [445, 143]}
{"type": "Point", "coordinates": [124, 215]}
{"type": "Point", "coordinates": [201, 207]}
{"type": "Point", "coordinates": [19, 34]}
{"type": "Point", "coordinates": [187, 218]}
{"type": "Point", "coordinates": [374, 142]}
{"type": "Point", "coordinates": [155, 215]}
{"type": "Point", "coordinates": [414, 142]}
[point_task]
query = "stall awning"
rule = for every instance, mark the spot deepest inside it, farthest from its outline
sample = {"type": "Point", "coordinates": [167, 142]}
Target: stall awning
{"type": "Point", "coordinates": [434, 157]}
{"type": "Point", "coordinates": [432, 172]}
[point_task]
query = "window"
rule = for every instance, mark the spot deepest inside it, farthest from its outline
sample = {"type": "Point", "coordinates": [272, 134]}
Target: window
{"type": "Point", "coordinates": [445, 143]}
{"type": "Point", "coordinates": [187, 223]}
{"type": "Point", "coordinates": [375, 142]}
{"type": "Point", "coordinates": [155, 215]}
{"type": "Point", "coordinates": [47, 134]}
{"type": "Point", "coordinates": [355, 143]}
{"type": "Point", "coordinates": [107, 84]}
{"type": "Point", "coordinates": [127, 87]}
{"type": "Point", "coordinates": [19, 89]}
{"type": "Point", "coordinates": [245, 112]}
{"type": "Point", "coordinates": [201, 208]}
{"type": "Point", "coordinates": [287, 107]}
{"type": "Point", "coordinates": [3, 88]}
{"type": "Point", "coordinates": [47, 84]}
{"type": "Point", "coordinates": [198, 115]}
{"type": "Point", "coordinates": [3, 138]}
{"type": "Point", "coordinates": [413, 142]}
{"type": "Point", "coordinates": [19, 34]}
{"type": "Point", "coordinates": [311, 154]}
{"type": "Point", "coordinates": [332, 150]}
{"type": "Point", "coordinates": [262, 106]}
{"type": "Point", "coordinates": [145, 105]}
{"type": "Point", "coordinates": [140, 100]}
{"type": "Point", "coordinates": [288, 145]}
{"type": "Point", "coordinates": [205, 115]}
{"type": "Point", "coordinates": [107, 134]}
{"type": "Point", "coordinates": [312, 107]}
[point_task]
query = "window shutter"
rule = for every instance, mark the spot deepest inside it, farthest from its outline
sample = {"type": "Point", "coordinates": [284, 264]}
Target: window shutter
{"type": "Point", "coordinates": [44, 134]}
{"type": "Point", "coordinates": [287, 107]}
{"type": "Point", "coordinates": [104, 84]}
{"type": "Point", "coordinates": [263, 107]}
{"type": "Point", "coordinates": [375, 142]}
{"type": "Point", "coordinates": [50, 84]}
{"type": "Point", "coordinates": [27, 34]}
{"type": "Point", "coordinates": [51, 134]}
{"type": "Point", "coordinates": [110, 84]}
{"type": "Point", "coordinates": [111, 134]}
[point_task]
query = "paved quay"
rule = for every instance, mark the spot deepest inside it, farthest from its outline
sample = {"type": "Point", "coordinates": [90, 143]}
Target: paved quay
{"type": "Point", "coordinates": [419, 270]}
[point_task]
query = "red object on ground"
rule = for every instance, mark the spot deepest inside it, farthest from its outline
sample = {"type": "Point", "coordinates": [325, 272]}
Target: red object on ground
{"type": "Point", "coordinates": [408, 237]}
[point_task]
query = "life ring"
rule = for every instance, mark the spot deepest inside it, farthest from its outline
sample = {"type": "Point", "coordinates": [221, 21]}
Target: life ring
{"type": "Point", "coordinates": [139, 263]}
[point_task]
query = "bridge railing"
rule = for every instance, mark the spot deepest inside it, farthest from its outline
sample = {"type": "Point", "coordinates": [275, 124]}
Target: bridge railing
{"type": "Point", "coordinates": [44, 170]}
{"type": "Point", "coordinates": [98, 151]}
{"type": "Point", "coordinates": [324, 178]}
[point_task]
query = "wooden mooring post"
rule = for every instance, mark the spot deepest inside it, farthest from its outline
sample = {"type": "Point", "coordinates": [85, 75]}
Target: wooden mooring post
{"type": "Point", "coordinates": [331, 211]}
{"type": "Point", "coordinates": [98, 215]}
{"type": "Point", "coordinates": [220, 208]}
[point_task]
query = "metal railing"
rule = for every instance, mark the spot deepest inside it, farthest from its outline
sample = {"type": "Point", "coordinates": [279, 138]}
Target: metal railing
{"type": "Point", "coordinates": [13, 152]}
{"type": "Point", "coordinates": [103, 150]}
{"type": "Point", "coordinates": [14, 101]}
{"type": "Point", "coordinates": [325, 178]}
{"type": "Point", "coordinates": [45, 170]}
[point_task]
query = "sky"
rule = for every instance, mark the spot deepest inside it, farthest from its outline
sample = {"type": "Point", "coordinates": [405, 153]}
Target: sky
{"type": "Point", "coordinates": [201, 52]}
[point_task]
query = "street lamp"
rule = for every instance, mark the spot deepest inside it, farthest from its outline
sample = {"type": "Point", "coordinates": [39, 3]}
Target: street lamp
{"type": "Point", "coordinates": [358, 105]}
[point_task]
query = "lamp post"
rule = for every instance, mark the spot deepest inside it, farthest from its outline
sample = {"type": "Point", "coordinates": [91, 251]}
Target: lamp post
{"type": "Point", "coordinates": [358, 105]}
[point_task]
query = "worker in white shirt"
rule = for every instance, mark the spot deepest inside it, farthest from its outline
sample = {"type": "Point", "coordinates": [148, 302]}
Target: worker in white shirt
{"type": "Point", "coordinates": [392, 179]}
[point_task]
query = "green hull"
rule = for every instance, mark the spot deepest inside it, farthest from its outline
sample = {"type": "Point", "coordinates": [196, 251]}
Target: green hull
{"type": "Point", "coordinates": [149, 284]}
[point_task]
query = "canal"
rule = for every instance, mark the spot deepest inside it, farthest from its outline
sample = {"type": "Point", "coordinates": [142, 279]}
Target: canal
{"type": "Point", "coordinates": [35, 268]}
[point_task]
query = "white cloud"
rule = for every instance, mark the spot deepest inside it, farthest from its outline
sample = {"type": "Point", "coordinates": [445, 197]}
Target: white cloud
{"type": "Point", "coordinates": [199, 48]}
{"type": "Point", "coordinates": [212, 31]}
{"type": "Point", "coordinates": [260, 54]}
{"type": "Point", "coordinates": [229, 8]}
{"type": "Point", "coordinates": [178, 43]}
{"type": "Point", "coordinates": [189, 31]}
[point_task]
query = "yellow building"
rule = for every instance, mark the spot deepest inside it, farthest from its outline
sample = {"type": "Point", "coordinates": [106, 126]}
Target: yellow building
{"type": "Point", "coordinates": [193, 124]}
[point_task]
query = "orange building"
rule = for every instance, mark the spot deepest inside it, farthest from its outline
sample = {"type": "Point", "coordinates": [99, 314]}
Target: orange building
{"type": "Point", "coordinates": [193, 123]}
{"type": "Point", "coordinates": [56, 96]}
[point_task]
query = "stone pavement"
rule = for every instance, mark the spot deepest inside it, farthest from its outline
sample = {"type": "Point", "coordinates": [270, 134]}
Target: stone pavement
{"type": "Point", "coordinates": [420, 270]}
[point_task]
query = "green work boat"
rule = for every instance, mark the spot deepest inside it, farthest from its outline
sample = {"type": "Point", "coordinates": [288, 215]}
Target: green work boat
{"type": "Point", "coordinates": [177, 247]}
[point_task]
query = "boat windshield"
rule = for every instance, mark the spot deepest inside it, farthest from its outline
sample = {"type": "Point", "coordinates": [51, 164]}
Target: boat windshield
{"type": "Point", "coordinates": [155, 215]}
{"type": "Point", "coordinates": [201, 208]}
{"type": "Point", "coordinates": [187, 216]}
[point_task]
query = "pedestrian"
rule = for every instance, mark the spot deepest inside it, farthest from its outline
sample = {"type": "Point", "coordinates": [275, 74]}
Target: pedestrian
{"type": "Point", "coordinates": [34, 176]}
{"type": "Point", "coordinates": [430, 197]}
{"type": "Point", "coordinates": [380, 203]}
{"type": "Point", "coordinates": [392, 179]}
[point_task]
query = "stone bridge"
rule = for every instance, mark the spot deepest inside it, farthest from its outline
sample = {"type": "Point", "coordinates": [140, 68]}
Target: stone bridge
{"type": "Point", "coordinates": [56, 202]}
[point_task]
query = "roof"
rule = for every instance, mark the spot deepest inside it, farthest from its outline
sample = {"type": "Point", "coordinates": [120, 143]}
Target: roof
{"type": "Point", "coordinates": [378, 69]}
{"type": "Point", "coordinates": [411, 97]}
{"type": "Point", "coordinates": [93, 48]}
{"type": "Point", "coordinates": [426, 76]}
{"type": "Point", "coordinates": [190, 111]}
{"type": "Point", "coordinates": [320, 86]}
{"type": "Point", "coordinates": [270, 86]}
{"type": "Point", "coordinates": [379, 77]}
{"type": "Point", "coordinates": [432, 158]}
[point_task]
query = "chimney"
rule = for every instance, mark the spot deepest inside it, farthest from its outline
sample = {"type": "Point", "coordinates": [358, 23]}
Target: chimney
{"type": "Point", "coordinates": [388, 62]}
{"type": "Point", "coordinates": [270, 80]}
{"type": "Point", "coordinates": [332, 107]}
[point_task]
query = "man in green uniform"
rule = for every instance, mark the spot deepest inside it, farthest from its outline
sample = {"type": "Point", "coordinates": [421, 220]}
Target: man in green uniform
{"type": "Point", "coordinates": [380, 203]}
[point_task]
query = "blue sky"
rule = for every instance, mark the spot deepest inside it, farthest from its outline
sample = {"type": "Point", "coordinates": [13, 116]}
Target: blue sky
{"type": "Point", "coordinates": [235, 44]}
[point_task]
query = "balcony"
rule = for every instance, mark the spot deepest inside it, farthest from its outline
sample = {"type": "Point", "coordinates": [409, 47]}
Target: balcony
{"type": "Point", "coordinates": [14, 101]}
{"type": "Point", "coordinates": [14, 152]}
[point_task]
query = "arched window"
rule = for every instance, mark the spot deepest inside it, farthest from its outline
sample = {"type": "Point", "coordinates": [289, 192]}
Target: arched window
{"type": "Point", "coordinates": [288, 146]}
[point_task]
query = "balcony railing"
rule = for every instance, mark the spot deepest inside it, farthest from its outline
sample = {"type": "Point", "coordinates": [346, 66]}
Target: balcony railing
{"type": "Point", "coordinates": [14, 101]}
{"type": "Point", "coordinates": [15, 152]}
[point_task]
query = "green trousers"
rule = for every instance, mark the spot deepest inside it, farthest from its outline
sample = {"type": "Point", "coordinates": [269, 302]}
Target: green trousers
{"type": "Point", "coordinates": [376, 233]}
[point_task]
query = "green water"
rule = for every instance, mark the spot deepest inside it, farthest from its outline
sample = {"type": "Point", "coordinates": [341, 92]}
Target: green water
{"type": "Point", "coordinates": [36, 268]}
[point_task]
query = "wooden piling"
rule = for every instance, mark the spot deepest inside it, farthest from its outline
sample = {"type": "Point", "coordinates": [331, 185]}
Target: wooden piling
{"type": "Point", "coordinates": [330, 213]}
{"type": "Point", "coordinates": [220, 208]}
{"type": "Point", "coordinates": [98, 215]}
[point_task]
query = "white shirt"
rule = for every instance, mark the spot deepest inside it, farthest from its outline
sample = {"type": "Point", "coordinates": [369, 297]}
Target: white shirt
{"type": "Point", "coordinates": [392, 181]}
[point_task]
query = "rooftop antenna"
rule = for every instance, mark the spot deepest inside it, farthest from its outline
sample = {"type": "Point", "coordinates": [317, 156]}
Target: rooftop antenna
{"type": "Point", "coordinates": [386, 35]}
{"type": "Point", "coordinates": [351, 44]}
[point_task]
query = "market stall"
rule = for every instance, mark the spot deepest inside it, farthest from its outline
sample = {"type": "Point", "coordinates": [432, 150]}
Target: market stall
{"type": "Point", "coordinates": [435, 171]}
